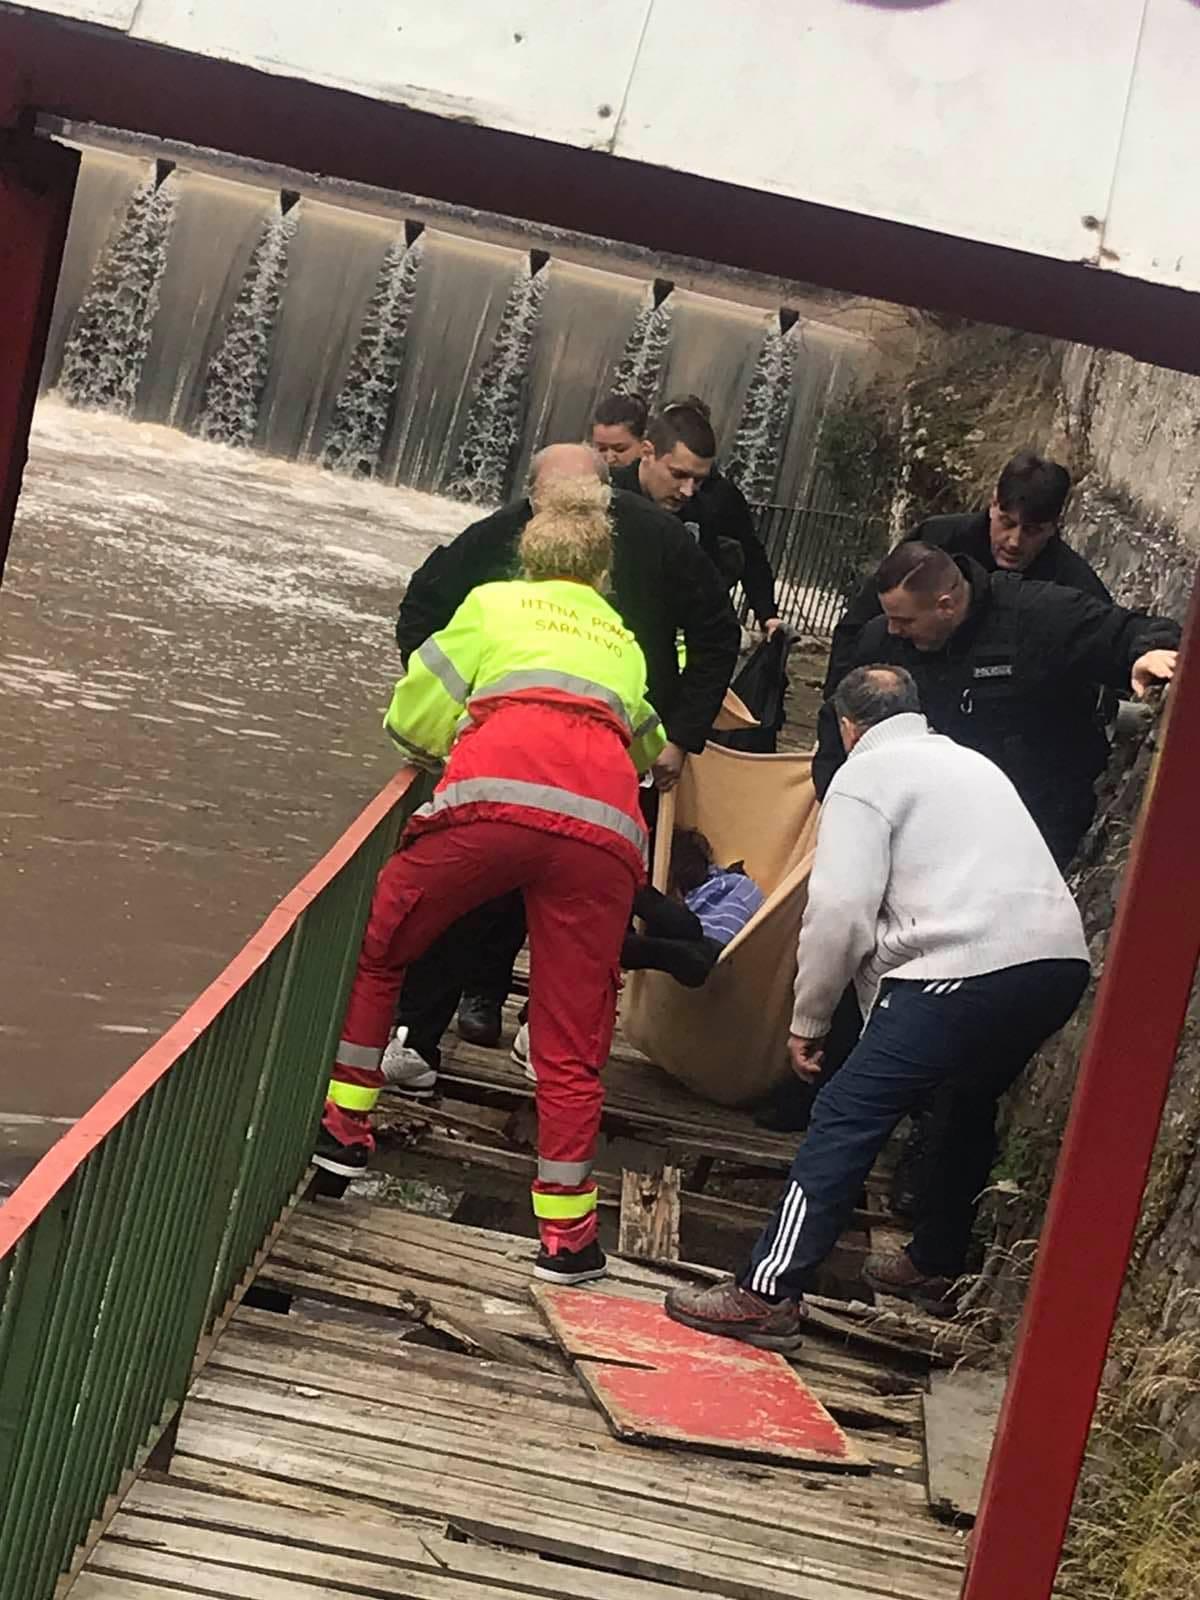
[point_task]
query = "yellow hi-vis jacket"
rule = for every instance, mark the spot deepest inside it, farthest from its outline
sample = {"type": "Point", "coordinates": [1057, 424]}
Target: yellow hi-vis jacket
{"type": "Point", "coordinates": [538, 691]}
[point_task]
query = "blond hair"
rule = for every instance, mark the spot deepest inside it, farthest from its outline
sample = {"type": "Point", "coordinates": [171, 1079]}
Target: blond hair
{"type": "Point", "coordinates": [570, 534]}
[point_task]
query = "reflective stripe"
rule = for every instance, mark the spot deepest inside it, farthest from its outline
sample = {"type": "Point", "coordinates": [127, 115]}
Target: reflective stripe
{"type": "Point", "coordinates": [568, 1173]}
{"type": "Point", "coordinates": [352, 1096]}
{"type": "Point", "coordinates": [432, 656]}
{"type": "Point", "coordinates": [546, 678]}
{"type": "Point", "coordinates": [358, 1055]}
{"type": "Point", "coordinates": [648, 726]}
{"type": "Point", "coordinates": [538, 797]}
{"type": "Point", "coordinates": [563, 1207]}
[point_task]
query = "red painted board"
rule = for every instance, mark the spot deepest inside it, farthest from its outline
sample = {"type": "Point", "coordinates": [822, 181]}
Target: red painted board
{"type": "Point", "coordinates": [659, 1383]}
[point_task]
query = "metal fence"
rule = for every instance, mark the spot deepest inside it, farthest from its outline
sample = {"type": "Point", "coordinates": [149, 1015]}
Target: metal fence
{"type": "Point", "coordinates": [818, 553]}
{"type": "Point", "coordinates": [124, 1246]}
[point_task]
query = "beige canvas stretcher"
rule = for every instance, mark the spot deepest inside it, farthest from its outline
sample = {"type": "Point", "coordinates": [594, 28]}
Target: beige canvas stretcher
{"type": "Point", "coordinates": [728, 1040]}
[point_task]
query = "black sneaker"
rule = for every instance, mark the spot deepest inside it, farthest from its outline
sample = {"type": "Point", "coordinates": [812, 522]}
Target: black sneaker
{"type": "Point", "coordinates": [571, 1266]}
{"type": "Point", "coordinates": [346, 1160]}
{"type": "Point", "coordinates": [479, 1020]}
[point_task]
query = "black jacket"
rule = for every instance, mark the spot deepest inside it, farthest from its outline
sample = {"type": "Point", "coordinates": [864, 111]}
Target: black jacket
{"type": "Point", "coordinates": [663, 585]}
{"type": "Point", "coordinates": [720, 511]}
{"type": "Point", "coordinates": [960, 536]}
{"type": "Point", "coordinates": [1018, 683]}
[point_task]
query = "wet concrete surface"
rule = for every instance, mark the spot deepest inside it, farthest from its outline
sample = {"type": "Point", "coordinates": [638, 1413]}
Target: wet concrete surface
{"type": "Point", "coordinates": [195, 652]}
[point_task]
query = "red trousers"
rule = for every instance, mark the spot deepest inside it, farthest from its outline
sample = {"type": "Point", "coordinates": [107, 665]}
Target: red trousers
{"type": "Point", "coordinates": [578, 899]}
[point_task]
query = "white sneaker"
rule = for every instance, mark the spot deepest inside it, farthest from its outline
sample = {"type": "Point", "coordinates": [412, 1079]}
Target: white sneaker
{"type": "Point", "coordinates": [520, 1052]}
{"type": "Point", "coordinates": [405, 1070]}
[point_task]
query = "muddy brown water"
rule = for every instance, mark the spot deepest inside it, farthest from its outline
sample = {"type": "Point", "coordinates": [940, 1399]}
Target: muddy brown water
{"type": "Point", "coordinates": [195, 652]}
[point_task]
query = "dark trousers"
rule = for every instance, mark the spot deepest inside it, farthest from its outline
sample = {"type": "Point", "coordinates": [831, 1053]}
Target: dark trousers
{"type": "Point", "coordinates": [474, 956]}
{"type": "Point", "coordinates": [965, 1042]}
{"type": "Point", "coordinates": [673, 940]}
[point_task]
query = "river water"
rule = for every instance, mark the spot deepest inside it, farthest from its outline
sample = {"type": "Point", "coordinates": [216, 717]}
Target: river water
{"type": "Point", "coordinates": [195, 653]}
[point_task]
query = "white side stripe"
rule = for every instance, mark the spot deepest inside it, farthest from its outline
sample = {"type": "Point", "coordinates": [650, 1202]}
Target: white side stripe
{"type": "Point", "coordinates": [791, 1220]}
{"type": "Point", "coordinates": [785, 1211]}
{"type": "Point", "coordinates": [789, 1247]}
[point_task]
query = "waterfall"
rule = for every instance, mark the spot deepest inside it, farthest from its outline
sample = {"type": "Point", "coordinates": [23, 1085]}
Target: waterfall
{"type": "Point", "coordinates": [754, 462]}
{"type": "Point", "coordinates": [362, 412]}
{"type": "Point", "coordinates": [640, 368]}
{"type": "Point", "coordinates": [104, 354]}
{"type": "Point", "coordinates": [237, 374]}
{"type": "Point", "coordinates": [207, 302]}
{"type": "Point", "coordinates": [496, 419]}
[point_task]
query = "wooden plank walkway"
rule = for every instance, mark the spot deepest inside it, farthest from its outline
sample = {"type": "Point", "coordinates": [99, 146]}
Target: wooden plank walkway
{"type": "Point", "coordinates": [409, 1427]}
{"type": "Point", "coordinates": [731, 1169]}
{"type": "Point", "coordinates": [390, 1415]}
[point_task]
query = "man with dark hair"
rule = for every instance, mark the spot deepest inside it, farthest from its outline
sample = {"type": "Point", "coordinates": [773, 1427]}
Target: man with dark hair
{"type": "Point", "coordinates": [1010, 668]}
{"type": "Point", "coordinates": [967, 953]}
{"type": "Point", "coordinates": [663, 587]}
{"type": "Point", "coordinates": [677, 470]}
{"type": "Point", "coordinates": [1018, 532]}
{"type": "Point", "coordinates": [676, 457]}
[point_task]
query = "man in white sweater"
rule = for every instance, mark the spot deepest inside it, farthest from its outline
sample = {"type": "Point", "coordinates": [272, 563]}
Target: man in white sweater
{"type": "Point", "coordinates": [933, 891]}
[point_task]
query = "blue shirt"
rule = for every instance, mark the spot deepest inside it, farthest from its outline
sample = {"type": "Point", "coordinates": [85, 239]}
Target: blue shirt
{"type": "Point", "coordinates": [724, 902]}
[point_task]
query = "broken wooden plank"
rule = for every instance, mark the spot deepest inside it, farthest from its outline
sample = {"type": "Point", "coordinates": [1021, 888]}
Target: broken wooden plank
{"type": "Point", "coordinates": [637, 1100]}
{"type": "Point", "coordinates": [506, 1331]}
{"type": "Point", "coordinates": [413, 1364]}
{"type": "Point", "coordinates": [901, 1328]}
{"type": "Point", "coordinates": [961, 1411]}
{"type": "Point", "coordinates": [460, 1253]}
{"type": "Point", "coordinates": [246, 1566]}
{"type": "Point", "coordinates": [650, 1215]}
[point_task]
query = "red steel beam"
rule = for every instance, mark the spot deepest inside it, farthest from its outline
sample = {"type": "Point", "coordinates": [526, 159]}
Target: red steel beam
{"type": "Point", "coordinates": [1097, 1196]}
{"type": "Point", "coordinates": [37, 184]}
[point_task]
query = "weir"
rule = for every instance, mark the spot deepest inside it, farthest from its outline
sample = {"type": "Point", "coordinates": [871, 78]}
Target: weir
{"type": "Point", "coordinates": [238, 373]}
{"type": "Point", "coordinates": [364, 406]}
{"type": "Point", "coordinates": [496, 419]}
{"type": "Point", "coordinates": [382, 348]}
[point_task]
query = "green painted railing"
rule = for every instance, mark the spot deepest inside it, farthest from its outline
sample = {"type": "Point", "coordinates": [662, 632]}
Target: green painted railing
{"type": "Point", "coordinates": [125, 1245]}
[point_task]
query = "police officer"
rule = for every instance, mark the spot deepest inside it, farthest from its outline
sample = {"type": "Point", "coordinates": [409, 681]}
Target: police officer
{"type": "Point", "coordinates": [677, 470]}
{"type": "Point", "coordinates": [1018, 532]}
{"type": "Point", "coordinates": [1010, 668]}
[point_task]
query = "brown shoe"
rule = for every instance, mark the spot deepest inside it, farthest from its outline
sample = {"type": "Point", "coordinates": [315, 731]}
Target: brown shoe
{"type": "Point", "coordinates": [732, 1312]}
{"type": "Point", "coordinates": [894, 1272]}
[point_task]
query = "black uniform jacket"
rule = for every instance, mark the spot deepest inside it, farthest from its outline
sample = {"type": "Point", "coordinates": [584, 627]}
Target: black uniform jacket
{"type": "Point", "coordinates": [724, 524]}
{"type": "Point", "coordinates": [960, 536]}
{"type": "Point", "coordinates": [663, 585]}
{"type": "Point", "coordinates": [1017, 682]}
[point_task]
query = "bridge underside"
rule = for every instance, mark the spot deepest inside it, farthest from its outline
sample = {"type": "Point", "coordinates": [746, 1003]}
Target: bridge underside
{"type": "Point", "coordinates": [92, 75]}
